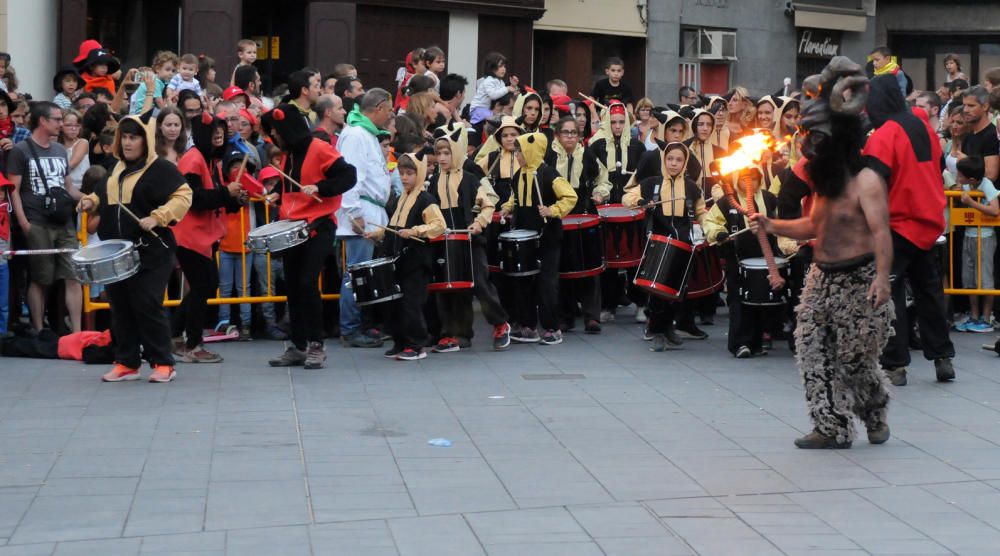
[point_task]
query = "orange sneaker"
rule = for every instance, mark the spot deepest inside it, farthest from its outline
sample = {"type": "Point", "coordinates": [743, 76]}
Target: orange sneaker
{"type": "Point", "coordinates": [162, 373]}
{"type": "Point", "coordinates": [120, 373]}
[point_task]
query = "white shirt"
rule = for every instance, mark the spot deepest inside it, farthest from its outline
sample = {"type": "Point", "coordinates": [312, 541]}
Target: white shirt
{"type": "Point", "coordinates": [361, 150]}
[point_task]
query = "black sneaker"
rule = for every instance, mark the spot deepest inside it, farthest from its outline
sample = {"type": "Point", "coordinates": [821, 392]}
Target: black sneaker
{"type": "Point", "coordinates": [944, 369]}
{"type": "Point", "coordinates": [501, 336]}
{"type": "Point", "coordinates": [743, 352]}
{"type": "Point", "coordinates": [361, 340]}
{"type": "Point", "coordinates": [692, 331]}
{"type": "Point", "coordinates": [410, 354]}
{"type": "Point", "coordinates": [525, 336]}
{"type": "Point", "coordinates": [592, 327]}
{"type": "Point", "coordinates": [392, 352]}
{"type": "Point", "coordinates": [552, 337]}
{"type": "Point", "coordinates": [672, 338]}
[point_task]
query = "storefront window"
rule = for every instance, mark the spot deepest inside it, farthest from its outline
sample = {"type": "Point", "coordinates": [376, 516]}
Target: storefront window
{"type": "Point", "coordinates": [989, 57]}
{"type": "Point", "coordinates": [964, 53]}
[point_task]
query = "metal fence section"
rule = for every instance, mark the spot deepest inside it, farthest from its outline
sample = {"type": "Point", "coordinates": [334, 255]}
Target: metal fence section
{"type": "Point", "coordinates": [965, 217]}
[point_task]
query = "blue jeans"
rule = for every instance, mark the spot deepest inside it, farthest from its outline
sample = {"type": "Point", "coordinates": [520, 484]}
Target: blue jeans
{"type": "Point", "coordinates": [4, 294]}
{"type": "Point", "coordinates": [277, 273]}
{"type": "Point", "coordinates": [359, 250]}
{"type": "Point", "coordinates": [231, 280]}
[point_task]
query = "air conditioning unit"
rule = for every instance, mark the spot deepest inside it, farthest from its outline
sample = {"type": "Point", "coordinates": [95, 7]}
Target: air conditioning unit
{"type": "Point", "coordinates": [717, 45]}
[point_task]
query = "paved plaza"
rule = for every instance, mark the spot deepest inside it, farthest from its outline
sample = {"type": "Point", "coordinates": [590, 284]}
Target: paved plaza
{"type": "Point", "coordinates": [596, 446]}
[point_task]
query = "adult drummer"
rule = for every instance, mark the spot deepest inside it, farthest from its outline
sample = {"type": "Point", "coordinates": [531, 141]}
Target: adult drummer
{"type": "Point", "coordinates": [674, 204]}
{"type": "Point", "coordinates": [590, 181]}
{"type": "Point", "coordinates": [317, 177]}
{"type": "Point", "coordinates": [155, 191]}
{"type": "Point", "coordinates": [746, 322]}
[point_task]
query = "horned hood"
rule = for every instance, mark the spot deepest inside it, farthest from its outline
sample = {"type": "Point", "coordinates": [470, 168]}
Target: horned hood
{"type": "Point", "coordinates": [148, 126]}
{"type": "Point", "coordinates": [533, 147]}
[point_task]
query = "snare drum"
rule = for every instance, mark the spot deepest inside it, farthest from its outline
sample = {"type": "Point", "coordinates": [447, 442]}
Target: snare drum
{"type": "Point", "coordinates": [374, 281]}
{"type": "Point", "coordinates": [706, 275]}
{"type": "Point", "coordinates": [452, 265]}
{"type": "Point", "coordinates": [664, 267]}
{"type": "Point", "coordinates": [492, 234]}
{"type": "Point", "coordinates": [106, 262]}
{"type": "Point", "coordinates": [624, 235]}
{"type": "Point", "coordinates": [277, 236]}
{"type": "Point", "coordinates": [582, 252]}
{"type": "Point", "coordinates": [519, 253]}
{"type": "Point", "coordinates": [755, 289]}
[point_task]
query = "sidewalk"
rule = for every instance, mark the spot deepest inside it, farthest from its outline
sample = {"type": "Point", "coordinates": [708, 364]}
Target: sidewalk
{"type": "Point", "coordinates": [596, 446]}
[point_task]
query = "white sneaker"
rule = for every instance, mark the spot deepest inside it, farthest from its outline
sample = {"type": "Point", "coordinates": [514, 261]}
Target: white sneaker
{"type": "Point", "coordinates": [607, 316]}
{"type": "Point", "coordinates": [640, 315]}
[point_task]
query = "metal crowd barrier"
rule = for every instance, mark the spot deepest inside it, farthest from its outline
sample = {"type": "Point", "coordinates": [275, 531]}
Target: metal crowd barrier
{"type": "Point", "coordinates": [967, 217]}
{"type": "Point", "coordinates": [90, 305]}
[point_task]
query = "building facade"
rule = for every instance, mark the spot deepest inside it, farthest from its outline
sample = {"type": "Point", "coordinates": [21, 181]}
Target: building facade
{"type": "Point", "coordinates": [715, 44]}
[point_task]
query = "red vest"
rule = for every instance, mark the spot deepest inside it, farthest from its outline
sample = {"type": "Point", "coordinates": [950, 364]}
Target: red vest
{"type": "Point", "coordinates": [199, 229]}
{"type": "Point", "coordinates": [299, 206]}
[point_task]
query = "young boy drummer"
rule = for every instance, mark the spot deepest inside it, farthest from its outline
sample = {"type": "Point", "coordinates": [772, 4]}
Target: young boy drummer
{"type": "Point", "coordinates": [541, 197]}
{"type": "Point", "coordinates": [413, 215]}
{"type": "Point", "coordinates": [746, 322]}
{"type": "Point", "coordinates": [466, 203]}
{"type": "Point", "coordinates": [681, 205]}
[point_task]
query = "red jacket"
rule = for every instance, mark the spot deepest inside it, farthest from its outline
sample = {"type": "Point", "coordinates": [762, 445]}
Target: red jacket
{"type": "Point", "coordinates": [71, 345]}
{"type": "Point", "coordinates": [199, 229]}
{"type": "Point", "coordinates": [299, 206]}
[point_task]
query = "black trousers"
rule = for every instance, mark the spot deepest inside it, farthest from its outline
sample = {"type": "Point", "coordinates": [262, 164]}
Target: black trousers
{"type": "Point", "coordinates": [202, 275]}
{"type": "Point", "coordinates": [537, 297]}
{"type": "Point", "coordinates": [747, 323]}
{"type": "Point", "coordinates": [455, 308]}
{"type": "Point", "coordinates": [585, 292]}
{"type": "Point", "coordinates": [660, 313]}
{"type": "Point", "coordinates": [616, 282]}
{"type": "Point", "coordinates": [407, 326]}
{"type": "Point", "coordinates": [921, 268]}
{"type": "Point", "coordinates": [139, 322]}
{"type": "Point", "coordinates": [303, 264]}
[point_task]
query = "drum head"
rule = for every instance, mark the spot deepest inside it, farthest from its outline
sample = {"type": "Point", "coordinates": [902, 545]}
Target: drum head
{"type": "Point", "coordinates": [276, 228]}
{"type": "Point", "coordinates": [760, 262]}
{"type": "Point", "coordinates": [576, 221]}
{"type": "Point", "coordinates": [100, 250]}
{"type": "Point", "coordinates": [372, 263]}
{"type": "Point", "coordinates": [619, 212]}
{"type": "Point", "coordinates": [519, 235]}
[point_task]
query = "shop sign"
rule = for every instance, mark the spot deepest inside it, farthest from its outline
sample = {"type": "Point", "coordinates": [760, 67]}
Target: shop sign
{"type": "Point", "coordinates": [818, 43]}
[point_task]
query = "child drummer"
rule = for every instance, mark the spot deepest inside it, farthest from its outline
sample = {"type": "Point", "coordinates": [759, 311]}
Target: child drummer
{"type": "Point", "coordinates": [746, 323]}
{"type": "Point", "coordinates": [466, 203]}
{"type": "Point", "coordinates": [540, 198]}
{"type": "Point", "coordinates": [413, 215]}
{"type": "Point", "coordinates": [673, 203]}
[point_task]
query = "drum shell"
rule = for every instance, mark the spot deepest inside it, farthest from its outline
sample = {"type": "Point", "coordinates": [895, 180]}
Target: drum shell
{"type": "Point", "coordinates": [663, 271]}
{"type": "Point", "coordinates": [754, 288]}
{"type": "Point", "coordinates": [706, 275]}
{"type": "Point", "coordinates": [374, 282]}
{"type": "Point", "coordinates": [520, 256]}
{"type": "Point", "coordinates": [582, 250]}
{"type": "Point", "coordinates": [492, 234]}
{"type": "Point", "coordinates": [624, 235]}
{"type": "Point", "coordinates": [277, 236]}
{"type": "Point", "coordinates": [452, 264]}
{"type": "Point", "coordinates": [115, 267]}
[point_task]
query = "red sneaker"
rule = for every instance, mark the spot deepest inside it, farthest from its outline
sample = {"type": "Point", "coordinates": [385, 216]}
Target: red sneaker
{"type": "Point", "coordinates": [446, 345]}
{"type": "Point", "coordinates": [120, 373]}
{"type": "Point", "coordinates": [162, 373]}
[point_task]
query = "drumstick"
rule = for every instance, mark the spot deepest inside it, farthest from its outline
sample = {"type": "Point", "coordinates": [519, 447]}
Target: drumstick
{"type": "Point", "coordinates": [35, 252]}
{"type": "Point", "coordinates": [243, 167]}
{"type": "Point", "coordinates": [730, 237]}
{"type": "Point", "coordinates": [593, 100]}
{"type": "Point", "coordinates": [386, 228]}
{"type": "Point", "coordinates": [295, 183]}
{"type": "Point", "coordinates": [137, 220]}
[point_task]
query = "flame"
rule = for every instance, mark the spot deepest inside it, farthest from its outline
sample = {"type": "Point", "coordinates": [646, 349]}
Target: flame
{"type": "Point", "coordinates": [749, 153]}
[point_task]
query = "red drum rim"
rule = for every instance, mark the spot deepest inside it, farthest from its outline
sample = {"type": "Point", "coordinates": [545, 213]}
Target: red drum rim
{"type": "Point", "coordinates": [624, 263]}
{"type": "Point", "coordinates": [442, 286]}
{"type": "Point", "coordinates": [704, 292]}
{"type": "Point", "coordinates": [580, 221]}
{"type": "Point", "coordinates": [577, 274]}
{"type": "Point", "coordinates": [657, 288]}
{"type": "Point", "coordinates": [493, 268]}
{"type": "Point", "coordinates": [632, 216]}
{"type": "Point", "coordinates": [452, 237]}
{"type": "Point", "coordinates": [671, 241]}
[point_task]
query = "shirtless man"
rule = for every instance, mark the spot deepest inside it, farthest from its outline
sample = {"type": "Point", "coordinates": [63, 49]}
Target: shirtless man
{"type": "Point", "coordinates": [844, 318]}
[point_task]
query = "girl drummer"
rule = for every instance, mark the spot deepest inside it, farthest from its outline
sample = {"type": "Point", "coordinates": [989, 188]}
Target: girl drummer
{"type": "Point", "coordinates": [156, 192]}
{"type": "Point", "coordinates": [684, 206]}
{"type": "Point", "coordinates": [413, 215]}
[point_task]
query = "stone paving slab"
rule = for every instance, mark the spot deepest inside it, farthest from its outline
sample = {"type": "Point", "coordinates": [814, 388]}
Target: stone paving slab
{"type": "Point", "coordinates": [645, 454]}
